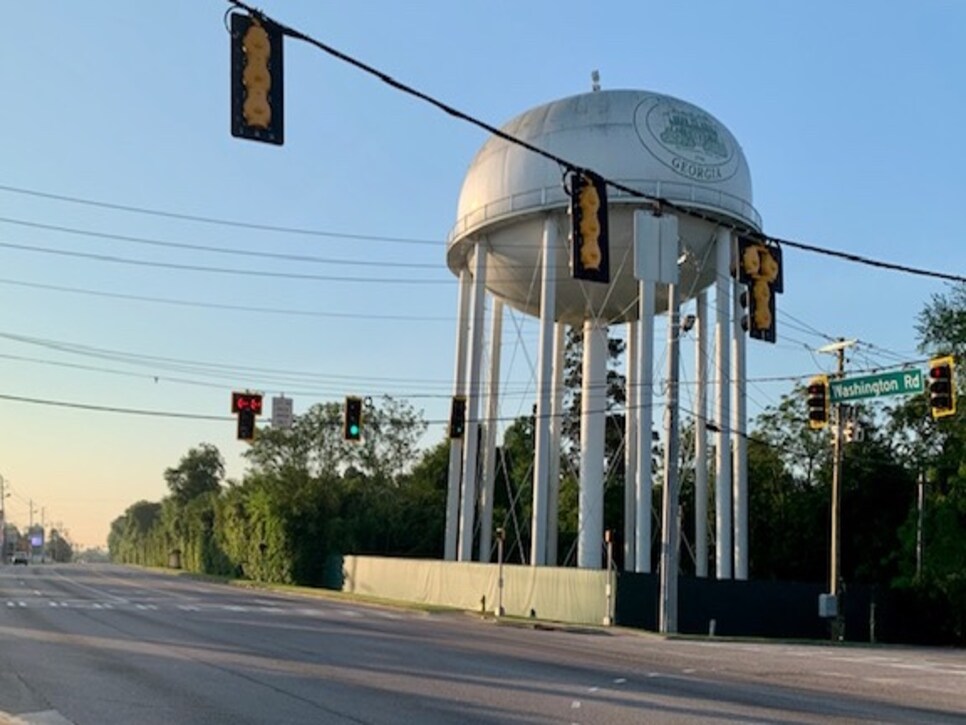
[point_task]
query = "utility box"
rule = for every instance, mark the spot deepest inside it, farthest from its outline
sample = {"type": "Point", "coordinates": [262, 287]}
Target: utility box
{"type": "Point", "coordinates": [828, 605]}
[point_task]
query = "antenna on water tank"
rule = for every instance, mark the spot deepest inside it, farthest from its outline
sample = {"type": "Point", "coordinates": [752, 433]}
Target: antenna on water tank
{"type": "Point", "coordinates": [595, 79]}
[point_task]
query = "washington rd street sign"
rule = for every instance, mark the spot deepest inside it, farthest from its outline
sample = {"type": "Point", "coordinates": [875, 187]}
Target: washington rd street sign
{"type": "Point", "coordinates": [903, 382]}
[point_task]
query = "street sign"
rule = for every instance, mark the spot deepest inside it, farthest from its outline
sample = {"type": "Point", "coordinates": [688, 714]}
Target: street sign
{"type": "Point", "coordinates": [903, 382]}
{"type": "Point", "coordinates": [281, 412]}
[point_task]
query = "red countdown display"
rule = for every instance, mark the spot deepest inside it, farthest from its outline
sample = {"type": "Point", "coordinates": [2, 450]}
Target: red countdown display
{"type": "Point", "coordinates": [246, 402]}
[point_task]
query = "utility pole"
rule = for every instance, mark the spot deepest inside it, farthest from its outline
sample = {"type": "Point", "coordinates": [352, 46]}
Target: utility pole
{"type": "Point", "coordinates": [835, 576]}
{"type": "Point", "coordinates": [920, 500]}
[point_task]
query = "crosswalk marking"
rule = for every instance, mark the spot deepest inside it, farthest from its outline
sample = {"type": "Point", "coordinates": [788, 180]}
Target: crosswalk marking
{"type": "Point", "coordinates": [202, 608]}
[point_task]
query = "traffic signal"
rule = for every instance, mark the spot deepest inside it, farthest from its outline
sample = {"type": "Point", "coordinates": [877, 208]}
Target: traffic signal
{"type": "Point", "coordinates": [257, 98]}
{"type": "Point", "coordinates": [246, 425]}
{"type": "Point", "coordinates": [942, 387]}
{"type": "Point", "coordinates": [353, 418]}
{"type": "Point", "coordinates": [589, 234]}
{"type": "Point", "coordinates": [457, 417]}
{"type": "Point", "coordinates": [760, 267]}
{"type": "Point", "coordinates": [247, 406]}
{"type": "Point", "coordinates": [818, 405]}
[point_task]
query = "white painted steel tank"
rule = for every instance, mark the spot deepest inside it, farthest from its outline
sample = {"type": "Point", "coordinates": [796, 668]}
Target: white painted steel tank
{"type": "Point", "coordinates": [653, 143]}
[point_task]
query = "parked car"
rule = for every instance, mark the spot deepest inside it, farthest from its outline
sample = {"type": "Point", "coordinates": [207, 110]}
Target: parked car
{"type": "Point", "coordinates": [20, 557]}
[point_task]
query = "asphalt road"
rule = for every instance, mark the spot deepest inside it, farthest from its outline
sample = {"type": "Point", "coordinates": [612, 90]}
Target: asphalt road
{"type": "Point", "coordinates": [98, 644]}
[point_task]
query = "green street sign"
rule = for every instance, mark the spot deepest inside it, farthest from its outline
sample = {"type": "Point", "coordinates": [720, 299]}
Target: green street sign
{"type": "Point", "coordinates": [903, 382]}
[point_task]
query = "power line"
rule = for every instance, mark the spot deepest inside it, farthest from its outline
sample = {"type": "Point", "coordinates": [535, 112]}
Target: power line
{"type": "Point", "coordinates": [570, 166]}
{"type": "Point", "coordinates": [216, 220]}
{"type": "Point", "coordinates": [218, 250]}
{"type": "Point", "coordinates": [224, 306]}
{"type": "Point", "coordinates": [220, 270]}
{"type": "Point", "coordinates": [113, 409]}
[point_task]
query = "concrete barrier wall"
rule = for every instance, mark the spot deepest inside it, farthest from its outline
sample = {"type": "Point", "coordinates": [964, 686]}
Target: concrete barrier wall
{"type": "Point", "coordinates": [577, 596]}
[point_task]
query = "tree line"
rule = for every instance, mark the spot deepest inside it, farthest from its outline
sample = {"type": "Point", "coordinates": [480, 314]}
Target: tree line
{"type": "Point", "coordinates": [307, 493]}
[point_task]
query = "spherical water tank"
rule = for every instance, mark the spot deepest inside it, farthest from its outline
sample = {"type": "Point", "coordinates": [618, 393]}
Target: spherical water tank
{"type": "Point", "coordinates": [652, 143]}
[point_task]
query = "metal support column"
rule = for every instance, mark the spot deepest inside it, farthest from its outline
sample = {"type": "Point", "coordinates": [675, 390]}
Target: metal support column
{"type": "Point", "coordinates": [722, 498]}
{"type": "Point", "coordinates": [630, 448]}
{"type": "Point", "coordinates": [593, 415]}
{"type": "Point", "coordinates": [541, 462]}
{"type": "Point", "coordinates": [739, 427]}
{"type": "Point", "coordinates": [471, 446]}
{"type": "Point", "coordinates": [489, 431]}
{"type": "Point", "coordinates": [669, 510]}
{"type": "Point", "coordinates": [556, 435]}
{"type": "Point", "coordinates": [645, 410]}
{"type": "Point", "coordinates": [456, 444]}
{"type": "Point", "coordinates": [701, 438]}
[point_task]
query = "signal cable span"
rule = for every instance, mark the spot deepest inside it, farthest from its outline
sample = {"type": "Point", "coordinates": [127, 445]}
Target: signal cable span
{"type": "Point", "coordinates": [570, 166]}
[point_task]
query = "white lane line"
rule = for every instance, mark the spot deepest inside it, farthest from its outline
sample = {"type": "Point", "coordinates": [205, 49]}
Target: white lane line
{"type": "Point", "coordinates": [21, 604]}
{"type": "Point", "coordinates": [52, 604]}
{"type": "Point", "coordinates": [96, 605]}
{"type": "Point", "coordinates": [688, 670]}
{"type": "Point", "coordinates": [620, 681]}
{"type": "Point", "coordinates": [593, 689]}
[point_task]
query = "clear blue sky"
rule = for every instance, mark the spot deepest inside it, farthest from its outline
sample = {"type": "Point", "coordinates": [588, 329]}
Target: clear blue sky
{"type": "Point", "coordinates": [851, 116]}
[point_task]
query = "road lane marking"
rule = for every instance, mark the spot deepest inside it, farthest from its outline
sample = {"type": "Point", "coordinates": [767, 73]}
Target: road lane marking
{"type": "Point", "coordinates": [620, 681]}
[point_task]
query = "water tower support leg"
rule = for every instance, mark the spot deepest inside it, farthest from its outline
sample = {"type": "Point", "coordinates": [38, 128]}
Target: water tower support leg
{"type": "Point", "coordinates": [456, 444]}
{"type": "Point", "coordinates": [541, 467]}
{"type": "Point", "coordinates": [701, 438]}
{"type": "Point", "coordinates": [556, 434]}
{"type": "Point", "coordinates": [722, 500]}
{"type": "Point", "coordinates": [630, 448]}
{"type": "Point", "coordinates": [471, 443]}
{"type": "Point", "coordinates": [739, 425]}
{"type": "Point", "coordinates": [644, 363]}
{"type": "Point", "coordinates": [489, 432]}
{"type": "Point", "coordinates": [593, 406]}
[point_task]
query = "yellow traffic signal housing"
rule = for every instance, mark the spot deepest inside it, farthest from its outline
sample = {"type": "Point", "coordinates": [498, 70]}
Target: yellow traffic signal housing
{"type": "Point", "coordinates": [760, 267]}
{"type": "Point", "coordinates": [257, 97]}
{"type": "Point", "coordinates": [942, 386]}
{"type": "Point", "coordinates": [590, 258]}
{"type": "Point", "coordinates": [818, 402]}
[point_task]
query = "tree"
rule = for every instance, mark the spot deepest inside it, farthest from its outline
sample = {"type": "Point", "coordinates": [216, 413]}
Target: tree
{"type": "Point", "coordinates": [315, 446]}
{"type": "Point", "coordinates": [200, 471]}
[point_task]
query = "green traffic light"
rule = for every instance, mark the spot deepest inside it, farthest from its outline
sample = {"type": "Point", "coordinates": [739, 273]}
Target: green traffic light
{"type": "Point", "coordinates": [354, 430]}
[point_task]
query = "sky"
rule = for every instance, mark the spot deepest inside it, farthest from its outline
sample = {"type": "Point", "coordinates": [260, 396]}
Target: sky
{"type": "Point", "coordinates": [115, 127]}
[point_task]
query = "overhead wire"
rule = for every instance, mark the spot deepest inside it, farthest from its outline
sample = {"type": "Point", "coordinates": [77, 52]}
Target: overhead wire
{"type": "Point", "coordinates": [168, 244]}
{"type": "Point", "coordinates": [216, 220]}
{"type": "Point", "coordinates": [226, 306]}
{"type": "Point", "coordinates": [659, 202]}
{"type": "Point", "coordinates": [219, 270]}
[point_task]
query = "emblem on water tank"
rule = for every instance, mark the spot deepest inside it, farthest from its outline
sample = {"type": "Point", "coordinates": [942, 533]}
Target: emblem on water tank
{"type": "Point", "coordinates": [686, 139]}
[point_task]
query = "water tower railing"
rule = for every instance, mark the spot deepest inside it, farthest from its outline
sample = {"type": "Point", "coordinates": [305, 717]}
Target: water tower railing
{"type": "Point", "coordinates": [550, 197]}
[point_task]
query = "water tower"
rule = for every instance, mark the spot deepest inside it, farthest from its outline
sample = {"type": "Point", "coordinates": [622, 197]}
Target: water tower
{"type": "Point", "coordinates": [511, 242]}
